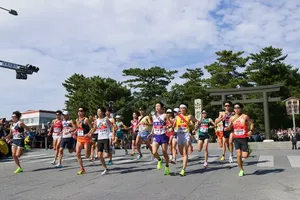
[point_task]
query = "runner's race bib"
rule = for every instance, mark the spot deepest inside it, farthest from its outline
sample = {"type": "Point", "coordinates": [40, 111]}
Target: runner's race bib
{"type": "Point", "coordinates": [158, 130]}
{"type": "Point", "coordinates": [203, 129]}
{"type": "Point", "coordinates": [80, 132]}
{"type": "Point", "coordinates": [239, 132]}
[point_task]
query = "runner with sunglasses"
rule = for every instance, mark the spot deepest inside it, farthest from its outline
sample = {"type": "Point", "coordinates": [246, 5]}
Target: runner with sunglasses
{"type": "Point", "coordinates": [225, 118]}
{"type": "Point", "coordinates": [84, 134]}
{"type": "Point", "coordinates": [239, 124]}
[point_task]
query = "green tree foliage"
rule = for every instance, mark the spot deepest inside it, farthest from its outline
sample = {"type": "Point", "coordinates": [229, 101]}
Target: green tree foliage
{"type": "Point", "coordinates": [150, 84]}
{"type": "Point", "coordinates": [230, 70]}
{"type": "Point", "coordinates": [191, 89]}
{"type": "Point", "coordinates": [92, 92]}
{"type": "Point", "coordinates": [268, 67]}
{"type": "Point", "coordinates": [225, 71]}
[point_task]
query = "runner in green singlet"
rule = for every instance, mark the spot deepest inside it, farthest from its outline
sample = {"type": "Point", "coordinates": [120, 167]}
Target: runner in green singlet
{"type": "Point", "coordinates": [202, 128]}
{"type": "Point", "coordinates": [120, 133]}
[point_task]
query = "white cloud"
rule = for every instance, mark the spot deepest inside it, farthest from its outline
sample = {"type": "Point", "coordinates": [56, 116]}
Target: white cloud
{"type": "Point", "coordinates": [98, 37]}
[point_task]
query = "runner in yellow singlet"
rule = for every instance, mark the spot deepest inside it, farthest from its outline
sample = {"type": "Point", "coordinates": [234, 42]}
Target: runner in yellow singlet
{"type": "Point", "coordinates": [182, 124]}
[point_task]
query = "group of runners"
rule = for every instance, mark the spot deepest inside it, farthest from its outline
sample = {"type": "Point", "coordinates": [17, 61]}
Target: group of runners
{"type": "Point", "coordinates": [172, 130]}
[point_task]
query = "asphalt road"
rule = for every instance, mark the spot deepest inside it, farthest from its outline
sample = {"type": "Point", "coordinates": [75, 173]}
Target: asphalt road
{"type": "Point", "coordinates": [270, 175]}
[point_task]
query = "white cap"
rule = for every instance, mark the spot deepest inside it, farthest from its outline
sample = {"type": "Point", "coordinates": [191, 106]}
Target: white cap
{"type": "Point", "coordinates": [118, 117]}
{"type": "Point", "coordinates": [65, 112]}
{"type": "Point", "coordinates": [176, 110]}
{"type": "Point", "coordinates": [169, 111]}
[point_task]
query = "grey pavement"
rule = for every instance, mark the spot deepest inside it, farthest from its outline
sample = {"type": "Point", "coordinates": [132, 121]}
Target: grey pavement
{"type": "Point", "coordinates": [270, 175]}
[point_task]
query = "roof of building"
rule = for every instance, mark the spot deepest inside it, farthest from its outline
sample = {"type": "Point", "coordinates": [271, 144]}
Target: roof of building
{"type": "Point", "coordinates": [38, 111]}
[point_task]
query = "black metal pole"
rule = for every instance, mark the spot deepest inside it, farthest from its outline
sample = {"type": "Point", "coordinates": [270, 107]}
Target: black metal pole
{"type": "Point", "coordinates": [11, 11]}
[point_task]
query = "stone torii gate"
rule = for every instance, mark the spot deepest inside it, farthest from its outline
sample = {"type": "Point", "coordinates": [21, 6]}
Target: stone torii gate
{"type": "Point", "coordinates": [250, 90]}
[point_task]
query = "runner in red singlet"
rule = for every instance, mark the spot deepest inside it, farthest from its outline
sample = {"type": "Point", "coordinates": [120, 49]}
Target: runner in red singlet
{"type": "Point", "coordinates": [170, 130]}
{"type": "Point", "coordinates": [56, 130]}
{"type": "Point", "coordinates": [134, 130]}
{"type": "Point", "coordinates": [239, 124]}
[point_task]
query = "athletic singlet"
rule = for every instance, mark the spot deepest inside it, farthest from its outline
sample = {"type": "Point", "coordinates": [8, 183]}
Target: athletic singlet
{"type": "Point", "coordinates": [169, 123]}
{"type": "Point", "coordinates": [17, 131]}
{"type": "Point", "coordinates": [159, 124]}
{"type": "Point", "coordinates": [134, 124]}
{"type": "Point", "coordinates": [220, 126]}
{"type": "Point", "coordinates": [66, 128]}
{"type": "Point", "coordinates": [102, 129]}
{"type": "Point", "coordinates": [111, 127]}
{"type": "Point", "coordinates": [57, 128]}
{"type": "Point", "coordinates": [143, 127]}
{"type": "Point", "coordinates": [119, 127]}
{"type": "Point", "coordinates": [82, 128]}
{"type": "Point", "coordinates": [182, 125]}
{"type": "Point", "coordinates": [226, 120]}
{"type": "Point", "coordinates": [240, 128]}
{"type": "Point", "coordinates": [203, 129]}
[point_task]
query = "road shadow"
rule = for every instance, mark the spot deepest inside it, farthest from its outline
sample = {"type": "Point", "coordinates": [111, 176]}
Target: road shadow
{"type": "Point", "coordinates": [123, 170]}
{"type": "Point", "coordinates": [48, 168]}
{"type": "Point", "coordinates": [266, 171]}
{"type": "Point", "coordinates": [248, 163]}
{"type": "Point", "coordinates": [208, 169]}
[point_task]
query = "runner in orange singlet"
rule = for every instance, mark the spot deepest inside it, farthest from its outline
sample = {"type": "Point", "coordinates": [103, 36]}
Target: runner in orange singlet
{"type": "Point", "coordinates": [239, 124]}
{"type": "Point", "coordinates": [84, 134]}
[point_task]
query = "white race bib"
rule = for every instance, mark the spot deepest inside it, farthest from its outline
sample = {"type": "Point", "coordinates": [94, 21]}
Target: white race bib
{"type": "Point", "coordinates": [239, 131]}
{"type": "Point", "coordinates": [203, 129]}
{"type": "Point", "coordinates": [159, 130]}
{"type": "Point", "coordinates": [66, 133]}
{"type": "Point", "coordinates": [57, 130]}
{"type": "Point", "coordinates": [103, 133]}
{"type": "Point", "coordinates": [80, 132]}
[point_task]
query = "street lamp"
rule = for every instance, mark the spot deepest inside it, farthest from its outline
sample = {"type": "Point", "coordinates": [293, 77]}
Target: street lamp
{"type": "Point", "coordinates": [11, 11]}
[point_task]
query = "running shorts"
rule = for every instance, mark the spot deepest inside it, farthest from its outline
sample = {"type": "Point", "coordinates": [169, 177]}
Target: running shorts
{"type": "Point", "coordinates": [56, 137]}
{"type": "Point", "coordinates": [19, 143]}
{"type": "Point", "coordinates": [103, 144]}
{"type": "Point", "coordinates": [241, 144]}
{"type": "Point", "coordinates": [203, 137]}
{"type": "Point", "coordinates": [144, 135]}
{"type": "Point", "coordinates": [67, 142]}
{"type": "Point", "coordinates": [183, 138]}
{"type": "Point", "coordinates": [161, 139]}
{"type": "Point", "coordinates": [84, 140]}
{"type": "Point", "coordinates": [133, 136]}
{"type": "Point", "coordinates": [226, 134]}
{"type": "Point", "coordinates": [220, 134]}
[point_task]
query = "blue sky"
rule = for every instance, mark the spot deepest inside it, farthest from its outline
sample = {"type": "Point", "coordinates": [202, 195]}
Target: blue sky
{"type": "Point", "coordinates": [97, 37]}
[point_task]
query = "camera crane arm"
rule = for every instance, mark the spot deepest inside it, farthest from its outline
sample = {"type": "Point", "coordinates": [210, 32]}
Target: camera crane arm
{"type": "Point", "coordinates": [21, 70]}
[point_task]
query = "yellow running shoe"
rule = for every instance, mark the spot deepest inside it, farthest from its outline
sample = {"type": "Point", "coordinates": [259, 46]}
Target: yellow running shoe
{"type": "Point", "coordinates": [182, 173]}
{"type": "Point", "coordinates": [81, 172]}
{"type": "Point", "coordinates": [159, 163]}
{"type": "Point", "coordinates": [222, 158]}
{"type": "Point", "coordinates": [241, 173]}
{"type": "Point", "coordinates": [167, 171]}
{"type": "Point", "coordinates": [18, 170]}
